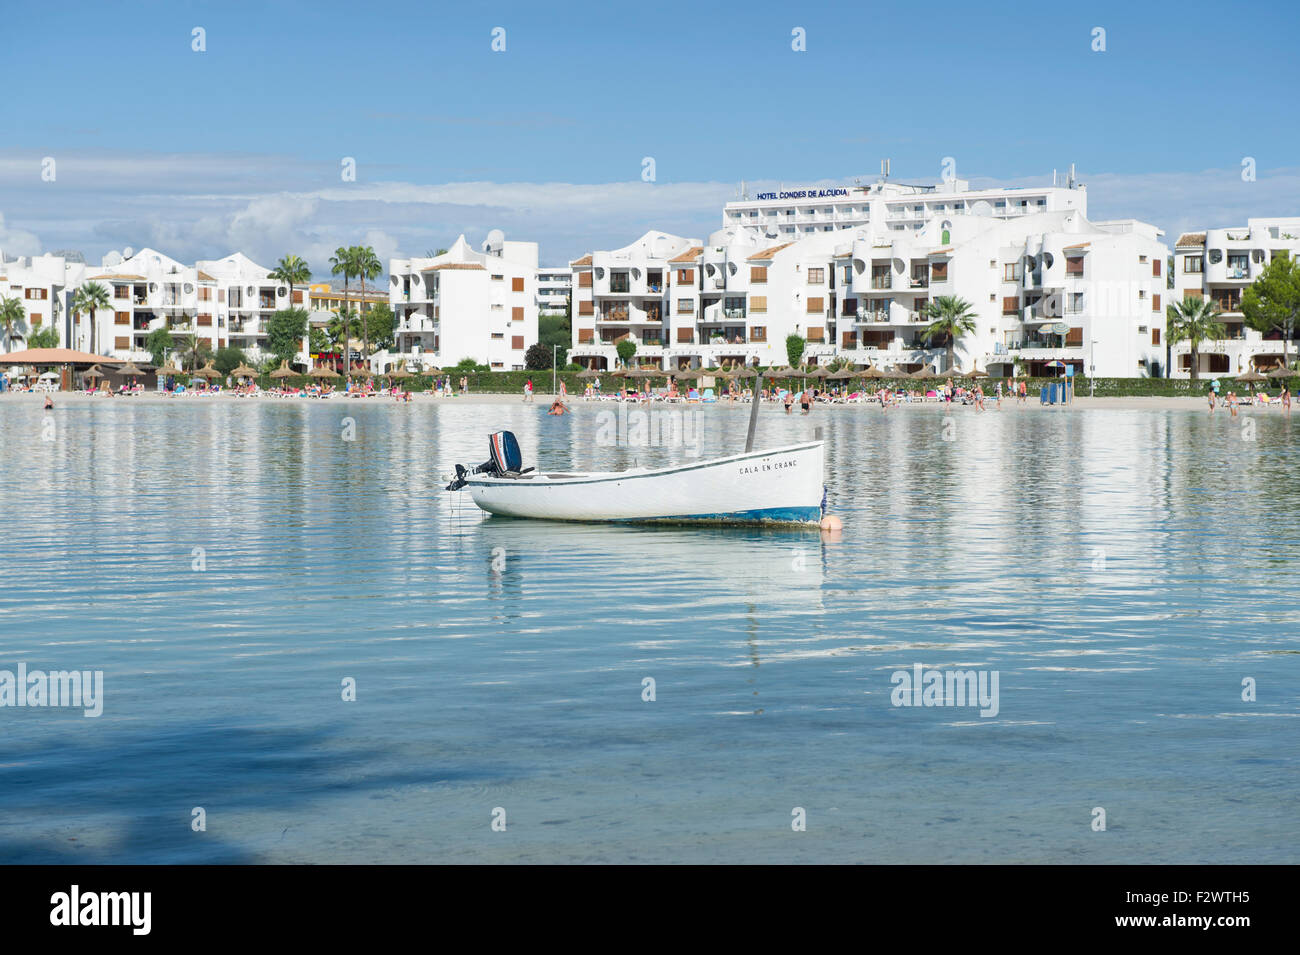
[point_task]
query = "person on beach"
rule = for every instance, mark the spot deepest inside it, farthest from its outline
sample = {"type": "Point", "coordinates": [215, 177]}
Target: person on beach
{"type": "Point", "coordinates": [564, 390]}
{"type": "Point", "coordinates": [979, 398]}
{"type": "Point", "coordinates": [1210, 394]}
{"type": "Point", "coordinates": [1286, 397]}
{"type": "Point", "coordinates": [528, 390]}
{"type": "Point", "coordinates": [596, 384]}
{"type": "Point", "coordinates": [805, 401]}
{"type": "Point", "coordinates": [1232, 403]}
{"type": "Point", "coordinates": [789, 401]}
{"type": "Point", "coordinates": [999, 405]}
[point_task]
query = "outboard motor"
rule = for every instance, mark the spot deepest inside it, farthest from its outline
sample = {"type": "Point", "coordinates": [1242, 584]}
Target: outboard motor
{"type": "Point", "coordinates": [505, 460]}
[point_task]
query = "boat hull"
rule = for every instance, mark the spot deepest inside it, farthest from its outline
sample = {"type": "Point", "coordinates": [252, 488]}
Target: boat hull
{"type": "Point", "coordinates": [778, 486]}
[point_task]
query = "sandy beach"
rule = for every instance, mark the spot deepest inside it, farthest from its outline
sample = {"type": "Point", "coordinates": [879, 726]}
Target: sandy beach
{"type": "Point", "coordinates": [1135, 403]}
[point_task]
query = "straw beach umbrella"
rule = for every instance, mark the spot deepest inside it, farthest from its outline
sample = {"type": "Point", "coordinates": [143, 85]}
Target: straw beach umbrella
{"type": "Point", "coordinates": [588, 373]}
{"type": "Point", "coordinates": [208, 372]}
{"type": "Point", "coordinates": [324, 371]}
{"type": "Point", "coordinates": [1281, 371]}
{"type": "Point", "coordinates": [283, 371]}
{"type": "Point", "coordinates": [871, 371]}
{"type": "Point", "coordinates": [976, 373]}
{"type": "Point", "coordinates": [243, 371]}
{"type": "Point", "coordinates": [1251, 376]}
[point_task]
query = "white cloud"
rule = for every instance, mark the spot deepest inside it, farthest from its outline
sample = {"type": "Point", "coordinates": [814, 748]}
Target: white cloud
{"type": "Point", "coordinates": [205, 206]}
{"type": "Point", "coordinates": [15, 242]}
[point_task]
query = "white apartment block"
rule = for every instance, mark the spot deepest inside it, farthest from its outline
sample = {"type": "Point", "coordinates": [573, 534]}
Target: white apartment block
{"type": "Point", "coordinates": [465, 304]}
{"type": "Point", "coordinates": [788, 214]}
{"type": "Point", "coordinates": [1044, 287]}
{"type": "Point", "coordinates": [554, 285]}
{"type": "Point", "coordinates": [44, 284]}
{"type": "Point", "coordinates": [1219, 264]}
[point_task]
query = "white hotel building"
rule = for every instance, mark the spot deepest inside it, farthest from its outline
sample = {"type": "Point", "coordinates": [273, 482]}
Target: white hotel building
{"type": "Point", "coordinates": [465, 304]}
{"type": "Point", "coordinates": [225, 301]}
{"type": "Point", "coordinates": [1046, 286]}
{"type": "Point", "coordinates": [1219, 264]}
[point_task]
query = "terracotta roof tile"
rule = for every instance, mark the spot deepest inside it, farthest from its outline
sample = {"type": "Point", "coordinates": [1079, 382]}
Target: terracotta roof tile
{"type": "Point", "coordinates": [768, 253]}
{"type": "Point", "coordinates": [454, 265]}
{"type": "Point", "coordinates": [690, 255]}
{"type": "Point", "coordinates": [1190, 240]}
{"type": "Point", "coordinates": [579, 263]}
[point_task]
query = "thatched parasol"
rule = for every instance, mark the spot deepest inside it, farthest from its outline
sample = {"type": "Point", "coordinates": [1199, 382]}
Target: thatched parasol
{"type": "Point", "coordinates": [1252, 376]}
{"type": "Point", "coordinates": [1281, 372]}
{"type": "Point", "coordinates": [976, 373]}
{"type": "Point", "coordinates": [243, 371]}
{"type": "Point", "coordinates": [283, 371]}
{"type": "Point", "coordinates": [924, 373]}
{"type": "Point", "coordinates": [589, 373]}
{"type": "Point", "coordinates": [324, 371]}
{"type": "Point", "coordinates": [129, 370]}
{"type": "Point", "coordinates": [208, 372]}
{"type": "Point", "coordinates": [168, 370]}
{"type": "Point", "coordinates": [871, 371]}
{"type": "Point", "coordinates": [401, 371]}
{"type": "Point", "coordinates": [361, 372]}
{"type": "Point", "coordinates": [94, 371]}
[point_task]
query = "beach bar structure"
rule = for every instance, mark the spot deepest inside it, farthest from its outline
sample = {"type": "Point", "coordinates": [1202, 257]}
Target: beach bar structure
{"type": "Point", "coordinates": [69, 363]}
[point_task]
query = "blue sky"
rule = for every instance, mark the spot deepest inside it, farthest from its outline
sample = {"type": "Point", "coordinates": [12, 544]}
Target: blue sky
{"type": "Point", "coordinates": [190, 152]}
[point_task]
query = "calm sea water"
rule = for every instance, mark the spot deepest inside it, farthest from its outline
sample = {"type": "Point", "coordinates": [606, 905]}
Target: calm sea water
{"type": "Point", "coordinates": [1122, 571]}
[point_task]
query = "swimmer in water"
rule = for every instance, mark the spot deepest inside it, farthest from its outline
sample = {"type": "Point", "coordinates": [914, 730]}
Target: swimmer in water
{"type": "Point", "coordinates": [49, 402]}
{"type": "Point", "coordinates": [558, 407]}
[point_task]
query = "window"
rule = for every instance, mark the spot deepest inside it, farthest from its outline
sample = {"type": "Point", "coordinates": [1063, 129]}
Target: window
{"type": "Point", "coordinates": [1155, 336]}
{"type": "Point", "coordinates": [1074, 265]}
{"type": "Point", "coordinates": [685, 276]}
{"type": "Point", "coordinates": [1191, 264]}
{"type": "Point", "coordinates": [816, 305]}
{"type": "Point", "coordinates": [850, 307]}
{"type": "Point", "coordinates": [517, 284]}
{"type": "Point", "coordinates": [939, 272]}
{"type": "Point", "coordinates": [816, 276]}
{"type": "Point", "coordinates": [847, 274]}
{"type": "Point", "coordinates": [758, 333]}
{"type": "Point", "coordinates": [1142, 258]}
{"type": "Point", "coordinates": [586, 308]}
{"type": "Point", "coordinates": [517, 341]}
{"type": "Point", "coordinates": [1011, 305]}
{"type": "Point", "coordinates": [758, 274]}
{"type": "Point", "coordinates": [517, 314]}
{"type": "Point", "coordinates": [1076, 302]}
{"type": "Point", "coordinates": [758, 303]}
{"type": "Point", "coordinates": [584, 280]}
{"type": "Point", "coordinates": [121, 291]}
{"type": "Point", "coordinates": [685, 306]}
{"type": "Point", "coordinates": [122, 318]}
{"type": "Point", "coordinates": [1155, 303]}
{"type": "Point", "coordinates": [618, 282]}
{"type": "Point", "coordinates": [1011, 272]}
{"type": "Point", "coordinates": [498, 278]}
{"type": "Point", "coordinates": [1155, 267]}
{"type": "Point", "coordinates": [499, 335]}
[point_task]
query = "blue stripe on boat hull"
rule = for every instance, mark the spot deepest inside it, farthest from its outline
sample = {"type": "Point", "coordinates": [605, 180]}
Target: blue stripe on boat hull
{"type": "Point", "coordinates": [766, 515]}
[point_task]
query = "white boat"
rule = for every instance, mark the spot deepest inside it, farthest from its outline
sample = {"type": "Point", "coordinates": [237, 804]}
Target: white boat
{"type": "Point", "coordinates": [776, 486]}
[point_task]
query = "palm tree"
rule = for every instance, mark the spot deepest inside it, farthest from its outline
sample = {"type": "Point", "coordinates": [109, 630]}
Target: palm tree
{"type": "Point", "coordinates": [1197, 320]}
{"type": "Point", "coordinates": [291, 270]}
{"type": "Point", "coordinates": [341, 263]}
{"type": "Point", "coordinates": [12, 318]}
{"type": "Point", "coordinates": [90, 298]}
{"type": "Point", "coordinates": [951, 317]}
{"type": "Point", "coordinates": [367, 266]}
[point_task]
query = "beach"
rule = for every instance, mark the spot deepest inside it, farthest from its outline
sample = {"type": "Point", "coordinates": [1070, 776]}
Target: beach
{"type": "Point", "coordinates": [542, 401]}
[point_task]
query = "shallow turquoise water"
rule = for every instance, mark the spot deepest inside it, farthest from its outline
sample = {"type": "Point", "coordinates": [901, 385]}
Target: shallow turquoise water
{"type": "Point", "coordinates": [1123, 571]}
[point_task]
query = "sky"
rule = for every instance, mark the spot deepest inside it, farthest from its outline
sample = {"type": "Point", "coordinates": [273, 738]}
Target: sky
{"type": "Point", "coordinates": [119, 133]}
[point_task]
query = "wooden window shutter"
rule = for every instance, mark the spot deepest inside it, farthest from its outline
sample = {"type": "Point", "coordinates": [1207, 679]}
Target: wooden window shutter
{"type": "Point", "coordinates": [297, 296]}
{"type": "Point", "coordinates": [1010, 304]}
{"type": "Point", "coordinates": [938, 271]}
{"type": "Point", "coordinates": [1191, 293]}
{"type": "Point", "coordinates": [816, 334]}
{"type": "Point", "coordinates": [758, 303]}
{"type": "Point", "coordinates": [758, 273]}
{"type": "Point", "coordinates": [848, 339]}
{"type": "Point", "coordinates": [517, 284]}
{"type": "Point", "coordinates": [516, 341]}
{"type": "Point", "coordinates": [205, 320]}
{"type": "Point", "coordinates": [584, 280]}
{"type": "Point", "coordinates": [1074, 337]}
{"type": "Point", "coordinates": [122, 341]}
{"type": "Point", "coordinates": [850, 307]}
{"type": "Point", "coordinates": [686, 334]}
{"type": "Point", "coordinates": [122, 318]}
{"type": "Point", "coordinates": [685, 276]}
{"type": "Point", "coordinates": [1155, 336]}
{"type": "Point", "coordinates": [586, 335]}
{"type": "Point", "coordinates": [517, 314]}
{"type": "Point", "coordinates": [586, 308]}
{"type": "Point", "coordinates": [1155, 267]}
{"type": "Point", "coordinates": [815, 306]}
{"type": "Point", "coordinates": [1155, 303]}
